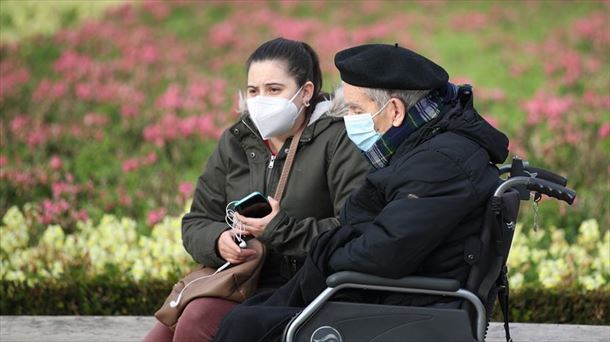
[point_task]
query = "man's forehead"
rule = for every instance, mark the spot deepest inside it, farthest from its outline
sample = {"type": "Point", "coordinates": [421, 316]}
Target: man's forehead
{"type": "Point", "coordinates": [355, 96]}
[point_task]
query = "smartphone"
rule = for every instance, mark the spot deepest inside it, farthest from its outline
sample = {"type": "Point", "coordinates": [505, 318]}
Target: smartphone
{"type": "Point", "coordinates": [254, 205]}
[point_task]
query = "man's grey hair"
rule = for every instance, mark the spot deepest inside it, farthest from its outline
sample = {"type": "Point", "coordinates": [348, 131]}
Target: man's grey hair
{"type": "Point", "coordinates": [408, 97]}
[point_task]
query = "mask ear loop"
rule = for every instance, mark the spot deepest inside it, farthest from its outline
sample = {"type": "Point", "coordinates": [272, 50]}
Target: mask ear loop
{"type": "Point", "coordinates": [380, 109]}
{"type": "Point", "coordinates": [379, 112]}
{"type": "Point", "coordinates": [294, 96]}
{"type": "Point", "coordinates": [297, 93]}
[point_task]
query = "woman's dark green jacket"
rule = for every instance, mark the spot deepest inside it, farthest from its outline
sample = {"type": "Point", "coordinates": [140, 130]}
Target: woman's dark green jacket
{"type": "Point", "coordinates": [327, 167]}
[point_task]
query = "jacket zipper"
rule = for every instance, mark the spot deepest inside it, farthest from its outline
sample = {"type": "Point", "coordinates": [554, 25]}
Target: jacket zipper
{"type": "Point", "coordinates": [269, 172]}
{"type": "Point", "coordinates": [271, 161]}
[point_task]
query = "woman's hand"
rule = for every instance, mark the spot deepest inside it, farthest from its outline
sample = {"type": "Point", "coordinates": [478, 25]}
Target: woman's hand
{"type": "Point", "coordinates": [256, 226]}
{"type": "Point", "coordinates": [230, 251]}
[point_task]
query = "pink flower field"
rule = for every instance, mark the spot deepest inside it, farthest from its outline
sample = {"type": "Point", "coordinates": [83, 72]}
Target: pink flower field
{"type": "Point", "coordinates": [119, 114]}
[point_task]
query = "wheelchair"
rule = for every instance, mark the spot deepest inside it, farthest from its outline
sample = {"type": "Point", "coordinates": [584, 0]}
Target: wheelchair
{"type": "Point", "coordinates": [325, 320]}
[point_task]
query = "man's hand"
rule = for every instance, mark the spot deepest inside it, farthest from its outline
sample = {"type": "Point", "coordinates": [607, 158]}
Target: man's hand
{"type": "Point", "coordinates": [230, 251]}
{"type": "Point", "coordinates": [256, 226]}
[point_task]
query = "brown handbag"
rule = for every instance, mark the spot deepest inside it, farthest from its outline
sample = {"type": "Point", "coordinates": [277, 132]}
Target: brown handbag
{"type": "Point", "coordinates": [235, 283]}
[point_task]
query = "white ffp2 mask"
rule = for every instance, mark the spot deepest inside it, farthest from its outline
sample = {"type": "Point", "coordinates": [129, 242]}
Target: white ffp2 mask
{"type": "Point", "coordinates": [272, 115]}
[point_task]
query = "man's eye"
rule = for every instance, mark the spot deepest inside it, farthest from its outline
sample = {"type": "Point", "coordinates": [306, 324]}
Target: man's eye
{"type": "Point", "coordinates": [274, 90]}
{"type": "Point", "coordinates": [251, 92]}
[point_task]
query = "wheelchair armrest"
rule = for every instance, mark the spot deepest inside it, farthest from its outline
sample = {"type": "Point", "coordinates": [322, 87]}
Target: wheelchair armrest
{"type": "Point", "coordinates": [424, 283]}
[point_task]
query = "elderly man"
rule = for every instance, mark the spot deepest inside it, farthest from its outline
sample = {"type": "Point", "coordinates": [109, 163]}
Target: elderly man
{"type": "Point", "coordinates": [421, 205]}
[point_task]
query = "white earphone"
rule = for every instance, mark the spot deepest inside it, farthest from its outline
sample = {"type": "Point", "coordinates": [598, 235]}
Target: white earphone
{"type": "Point", "coordinates": [238, 230]}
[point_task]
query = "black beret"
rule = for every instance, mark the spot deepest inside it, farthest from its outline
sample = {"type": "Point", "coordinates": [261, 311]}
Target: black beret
{"type": "Point", "coordinates": [385, 66]}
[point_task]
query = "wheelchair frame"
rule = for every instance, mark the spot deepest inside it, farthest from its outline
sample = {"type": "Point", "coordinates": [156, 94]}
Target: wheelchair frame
{"type": "Point", "coordinates": [523, 178]}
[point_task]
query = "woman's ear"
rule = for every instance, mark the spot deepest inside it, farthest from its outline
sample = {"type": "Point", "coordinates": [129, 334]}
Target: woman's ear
{"type": "Point", "coordinates": [308, 89]}
{"type": "Point", "coordinates": [399, 111]}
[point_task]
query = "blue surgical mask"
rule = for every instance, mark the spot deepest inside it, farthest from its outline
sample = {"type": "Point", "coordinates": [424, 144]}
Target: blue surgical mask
{"type": "Point", "coordinates": [361, 129]}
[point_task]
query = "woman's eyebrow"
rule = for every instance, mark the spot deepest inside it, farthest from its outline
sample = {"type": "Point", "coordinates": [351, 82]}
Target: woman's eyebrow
{"type": "Point", "coordinates": [274, 84]}
{"type": "Point", "coordinates": [268, 85]}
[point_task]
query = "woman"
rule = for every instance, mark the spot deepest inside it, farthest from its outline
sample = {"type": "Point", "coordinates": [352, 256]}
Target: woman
{"type": "Point", "coordinates": [283, 94]}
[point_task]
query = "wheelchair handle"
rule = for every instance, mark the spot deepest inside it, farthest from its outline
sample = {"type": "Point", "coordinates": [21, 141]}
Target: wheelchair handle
{"type": "Point", "coordinates": [552, 190]}
{"type": "Point", "coordinates": [537, 173]}
{"type": "Point", "coordinates": [547, 175]}
{"type": "Point", "coordinates": [540, 185]}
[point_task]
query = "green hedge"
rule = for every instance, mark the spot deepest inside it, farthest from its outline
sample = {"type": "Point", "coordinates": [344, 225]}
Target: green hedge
{"type": "Point", "coordinates": [537, 305]}
{"type": "Point", "coordinates": [97, 297]}
{"type": "Point", "coordinates": [144, 298]}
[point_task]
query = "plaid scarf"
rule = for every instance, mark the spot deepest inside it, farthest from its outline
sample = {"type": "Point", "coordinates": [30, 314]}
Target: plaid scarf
{"type": "Point", "coordinates": [422, 112]}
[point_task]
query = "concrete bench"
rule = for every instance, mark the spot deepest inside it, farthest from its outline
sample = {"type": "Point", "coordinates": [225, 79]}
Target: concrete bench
{"type": "Point", "coordinates": [133, 328]}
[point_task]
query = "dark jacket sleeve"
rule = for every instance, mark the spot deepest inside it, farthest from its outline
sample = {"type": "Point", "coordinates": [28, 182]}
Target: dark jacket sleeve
{"type": "Point", "coordinates": [346, 171]}
{"type": "Point", "coordinates": [428, 196]}
{"type": "Point", "coordinates": [202, 226]}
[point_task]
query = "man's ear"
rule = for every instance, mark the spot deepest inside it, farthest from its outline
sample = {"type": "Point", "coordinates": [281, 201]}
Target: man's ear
{"type": "Point", "coordinates": [398, 111]}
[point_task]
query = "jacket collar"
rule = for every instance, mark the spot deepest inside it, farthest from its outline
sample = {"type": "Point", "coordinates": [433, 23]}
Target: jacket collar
{"type": "Point", "coordinates": [461, 118]}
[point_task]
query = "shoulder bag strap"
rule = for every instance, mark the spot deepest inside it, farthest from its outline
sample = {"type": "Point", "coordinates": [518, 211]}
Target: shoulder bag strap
{"type": "Point", "coordinates": [292, 150]}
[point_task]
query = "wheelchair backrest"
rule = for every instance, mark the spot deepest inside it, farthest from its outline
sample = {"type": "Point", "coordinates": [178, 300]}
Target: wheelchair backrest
{"type": "Point", "coordinates": [495, 241]}
{"type": "Point", "coordinates": [488, 273]}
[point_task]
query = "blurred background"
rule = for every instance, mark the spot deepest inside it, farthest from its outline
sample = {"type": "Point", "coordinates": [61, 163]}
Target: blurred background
{"type": "Point", "coordinates": [110, 109]}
